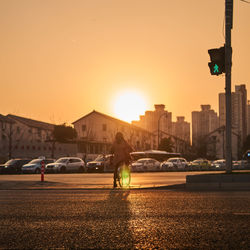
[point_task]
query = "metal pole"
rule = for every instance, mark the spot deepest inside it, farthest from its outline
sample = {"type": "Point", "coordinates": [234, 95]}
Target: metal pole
{"type": "Point", "coordinates": [159, 128]}
{"type": "Point", "coordinates": [228, 66]}
{"type": "Point", "coordinates": [159, 131]}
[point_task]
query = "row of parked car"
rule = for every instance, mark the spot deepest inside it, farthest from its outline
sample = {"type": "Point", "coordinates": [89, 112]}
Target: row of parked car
{"type": "Point", "coordinates": [201, 164]}
{"type": "Point", "coordinates": [103, 164]}
{"type": "Point", "coordinates": [64, 164]}
{"type": "Point", "coordinates": [181, 164]}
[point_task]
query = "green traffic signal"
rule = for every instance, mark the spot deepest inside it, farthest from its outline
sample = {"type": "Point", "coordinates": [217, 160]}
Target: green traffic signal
{"type": "Point", "coordinates": [216, 68]}
{"type": "Point", "coordinates": [217, 64]}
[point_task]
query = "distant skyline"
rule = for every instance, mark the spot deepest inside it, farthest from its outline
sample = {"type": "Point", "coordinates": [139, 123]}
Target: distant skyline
{"type": "Point", "coordinates": [61, 59]}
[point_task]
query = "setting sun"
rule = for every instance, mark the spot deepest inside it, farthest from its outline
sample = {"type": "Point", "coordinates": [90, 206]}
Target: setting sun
{"type": "Point", "coordinates": [129, 106]}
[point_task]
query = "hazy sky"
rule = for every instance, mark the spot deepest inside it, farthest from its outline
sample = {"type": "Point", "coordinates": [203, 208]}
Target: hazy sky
{"type": "Point", "coordinates": [60, 59]}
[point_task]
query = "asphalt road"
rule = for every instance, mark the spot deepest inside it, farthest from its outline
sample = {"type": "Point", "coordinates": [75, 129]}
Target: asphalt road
{"type": "Point", "coordinates": [93, 180]}
{"type": "Point", "coordinates": [130, 219]}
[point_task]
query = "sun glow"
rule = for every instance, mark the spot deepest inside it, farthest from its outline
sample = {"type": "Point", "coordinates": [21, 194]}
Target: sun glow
{"type": "Point", "coordinates": [129, 106]}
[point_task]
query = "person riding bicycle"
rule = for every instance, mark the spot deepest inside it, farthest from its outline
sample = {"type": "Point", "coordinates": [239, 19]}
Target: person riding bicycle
{"type": "Point", "coordinates": [121, 151]}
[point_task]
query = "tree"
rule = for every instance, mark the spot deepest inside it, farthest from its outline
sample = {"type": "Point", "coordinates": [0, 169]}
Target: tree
{"type": "Point", "coordinates": [63, 133]}
{"type": "Point", "coordinates": [166, 144]}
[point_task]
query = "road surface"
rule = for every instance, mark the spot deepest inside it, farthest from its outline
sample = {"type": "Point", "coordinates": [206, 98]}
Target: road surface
{"type": "Point", "coordinates": [132, 219]}
{"type": "Point", "coordinates": [93, 180]}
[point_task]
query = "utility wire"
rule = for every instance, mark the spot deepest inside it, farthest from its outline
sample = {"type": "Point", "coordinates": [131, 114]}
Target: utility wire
{"type": "Point", "coordinates": [245, 1]}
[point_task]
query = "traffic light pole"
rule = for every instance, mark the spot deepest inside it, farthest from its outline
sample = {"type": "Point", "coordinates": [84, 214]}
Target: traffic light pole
{"type": "Point", "coordinates": [228, 67]}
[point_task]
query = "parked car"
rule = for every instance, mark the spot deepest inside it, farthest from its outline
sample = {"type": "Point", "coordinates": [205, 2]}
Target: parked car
{"type": "Point", "coordinates": [35, 165]}
{"type": "Point", "coordinates": [240, 165]}
{"type": "Point", "coordinates": [200, 164]}
{"type": "Point", "coordinates": [219, 164]}
{"type": "Point", "coordinates": [100, 164]}
{"type": "Point", "coordinates": [66, 164]}
{"type": "Point", "coordinates": [167, 166]}
{"type": "Point", "coordinates": [145, 164]}
{"type": "Point", "coordinates": [13, 166]}
{"type": "Point", "coordinates": [179, 163]}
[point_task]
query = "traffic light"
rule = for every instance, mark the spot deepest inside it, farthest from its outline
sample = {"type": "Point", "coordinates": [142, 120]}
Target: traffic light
{"type": "Point", "coordinates": [217, 58]}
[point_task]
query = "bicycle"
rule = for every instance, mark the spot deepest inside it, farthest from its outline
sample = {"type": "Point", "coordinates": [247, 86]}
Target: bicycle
{"type": "Point", "coordinates": [124, 176]}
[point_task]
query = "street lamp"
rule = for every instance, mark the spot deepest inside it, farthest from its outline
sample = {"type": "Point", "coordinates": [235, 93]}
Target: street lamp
{"type": "Point", "coordinates": [166, 115]}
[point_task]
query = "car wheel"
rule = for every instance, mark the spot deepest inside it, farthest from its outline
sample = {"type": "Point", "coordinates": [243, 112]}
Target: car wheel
{"type": "Point", "coordinates": [37, 171]}
{"type": "Point", "coordinates": [81, 169]}
{"type": "Point", "coordinates": [62, 170]}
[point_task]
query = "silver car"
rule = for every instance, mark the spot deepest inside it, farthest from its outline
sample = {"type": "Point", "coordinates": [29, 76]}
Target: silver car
{"type": "Point", "coordinates": [179, 163]}
{"type": "Point", "coordinates": [145, 164]}
{"type": "Point", "coordinates": [66, 164]}
{"type": "Point", "coordinates": [167, 166]}
{"type": "Point", "coordinates": [34, 166]}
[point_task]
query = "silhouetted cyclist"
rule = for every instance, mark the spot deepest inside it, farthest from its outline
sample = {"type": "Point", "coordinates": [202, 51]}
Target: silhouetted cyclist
{"type": "Point", "coordinates": [121, 151]}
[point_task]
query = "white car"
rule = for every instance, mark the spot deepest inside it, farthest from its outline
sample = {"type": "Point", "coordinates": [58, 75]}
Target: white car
{"type": "Point", "coordinates": [167, 165]}
{"type": "Point", "coordinates": [66, 164]}
{"type": "Point", "coordinates": [145, 164]}
{"type": "Point", "coordinates": [179, 163]}
{"type": "Point", "coordinates": [219, 164]}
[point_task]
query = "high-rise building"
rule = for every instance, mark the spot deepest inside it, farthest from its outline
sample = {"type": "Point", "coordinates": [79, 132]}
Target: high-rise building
{"type": "Point", "coordinates": [181, 129]}
{"type": "Point", "coordinates": [203, 123]}
{"type": "Point", "coordinates": [158, 122]}
{"type": "Point", "coordinates": [239, 117]}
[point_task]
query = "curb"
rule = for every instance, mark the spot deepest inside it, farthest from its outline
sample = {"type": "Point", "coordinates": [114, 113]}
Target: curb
{"type": "Point", "coordinates": [218, 182]}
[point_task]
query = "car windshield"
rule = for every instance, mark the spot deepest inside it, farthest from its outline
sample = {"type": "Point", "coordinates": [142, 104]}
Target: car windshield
{"type": "Point", "coordinates": [100, 158]}
{"type": "Point", "coordinates": [62, 160]}
{"type": "Point", "coordinates": [35, 161]}
{"type": "Point", "coordinates": [196, 161]}
{"type": "Point", "coordinates": [10, 162]}
{"type": "Point", "coordinates": [171, 160]}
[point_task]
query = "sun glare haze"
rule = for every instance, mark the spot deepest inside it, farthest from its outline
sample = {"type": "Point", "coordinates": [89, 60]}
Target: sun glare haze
{"type": "Point", "coordinates": [129, 105]}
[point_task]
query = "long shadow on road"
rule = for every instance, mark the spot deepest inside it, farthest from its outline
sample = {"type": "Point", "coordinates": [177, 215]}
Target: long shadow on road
{"type": "Point", "coordinates": [109, 220]}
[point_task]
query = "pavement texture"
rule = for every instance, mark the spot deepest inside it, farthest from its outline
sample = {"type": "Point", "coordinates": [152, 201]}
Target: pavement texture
{"type": "Point", "coordinates": [116, 219]}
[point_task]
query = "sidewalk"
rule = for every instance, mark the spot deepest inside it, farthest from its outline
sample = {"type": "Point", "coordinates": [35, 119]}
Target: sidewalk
{"type": "Point", "coordinates": [68, 182]}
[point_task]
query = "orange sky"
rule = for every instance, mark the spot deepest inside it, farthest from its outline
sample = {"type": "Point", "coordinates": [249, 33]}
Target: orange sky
{"type": "Point", "coordinates": [60, 59]}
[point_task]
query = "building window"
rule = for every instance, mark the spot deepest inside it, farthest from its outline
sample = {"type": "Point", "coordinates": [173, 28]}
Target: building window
{"type": "Point", "coordinates": [30, 130]}
{"type": "Point", "coordinates": [3, 137]}
{"type": "Point", "coordinates": [27, 147]}
{"type": "Point", "coordinates": [104, 127]}
{"type": "Point", "coordinates": [16, 147]}
{"type": "Point", "coordinates": [44, 148]}
{"type": "Point", "coordinates": [34, 147]}
{"type": "Point", "coordinates": [18, 130]}
{"type": "Point", "coordinates": [83, 127]}
{"type": "Point", "coordinates": [39, 132]}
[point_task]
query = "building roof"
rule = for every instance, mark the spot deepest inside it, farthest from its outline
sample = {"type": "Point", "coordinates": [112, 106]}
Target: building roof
{"type": "Point", "coordinates": [32, 123]}
{"type": "Point", "coordinates": [5, 119]}
{"type": "Point", "coordinates": [110, 118]}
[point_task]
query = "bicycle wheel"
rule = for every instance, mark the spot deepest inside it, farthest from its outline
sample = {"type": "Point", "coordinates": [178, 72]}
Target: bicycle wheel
{"type": "Point", "coordinates": [124, 176]}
